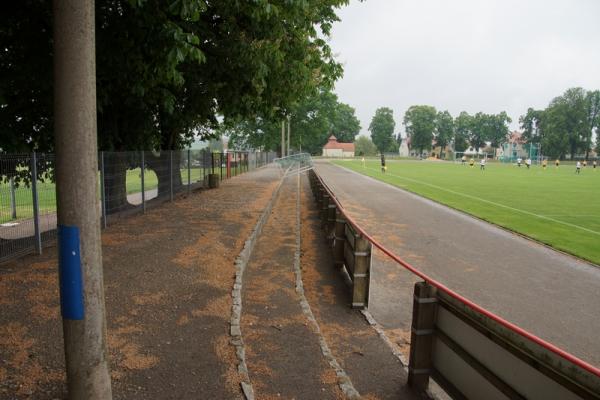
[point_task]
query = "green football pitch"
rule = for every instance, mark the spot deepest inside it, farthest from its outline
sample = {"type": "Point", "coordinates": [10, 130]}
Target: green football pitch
{"type": "Point", "coordinates": [553, 206]}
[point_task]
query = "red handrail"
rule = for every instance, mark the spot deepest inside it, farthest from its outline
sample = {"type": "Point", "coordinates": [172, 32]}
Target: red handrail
{"type": "Point", "coordinates": [520, 331]}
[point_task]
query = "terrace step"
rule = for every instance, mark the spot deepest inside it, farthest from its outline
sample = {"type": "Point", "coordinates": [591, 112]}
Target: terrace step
{"type": "Point", "coordinates": [301, 338]}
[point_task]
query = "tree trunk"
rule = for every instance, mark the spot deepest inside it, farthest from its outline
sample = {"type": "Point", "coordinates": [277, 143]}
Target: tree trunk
{"type": "Point", "coordinates": [115, 175]}
{"type": "Point", "coordinates": [163, 166]}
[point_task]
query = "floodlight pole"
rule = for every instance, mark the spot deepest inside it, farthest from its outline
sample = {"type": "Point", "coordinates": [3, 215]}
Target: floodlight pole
{"type": "Point", "coordinates": [288, 138]}
{"type": "Point", "coordinates": [282, 139]}
{"type": "Point", "coordinates": [80, 251]}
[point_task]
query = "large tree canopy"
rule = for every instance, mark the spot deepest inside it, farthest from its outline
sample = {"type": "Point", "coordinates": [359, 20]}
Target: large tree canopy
{"type": "Point", "coordinates": [382, 129]}
{"type": "Point", "coordinates": [531, 124]}
{"type": "Point", "coordinates": [420, 123]}
{"type": "Point", "coordinates": [166, 69]}
{"type": "Point", "coordinates": [444, 129]}
{"type": "Point", "coordinates": [364, 146]}
{"type": "Point", "coordinates": [567, 125]}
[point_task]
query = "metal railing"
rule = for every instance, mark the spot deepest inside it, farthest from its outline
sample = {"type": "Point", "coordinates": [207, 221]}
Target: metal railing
{"type": "Point", "coordinates": [299, 163]}
{"type": "Point", "coordinates": [468, 350]}
{"type": "Point", "coordinates": [129, 182]}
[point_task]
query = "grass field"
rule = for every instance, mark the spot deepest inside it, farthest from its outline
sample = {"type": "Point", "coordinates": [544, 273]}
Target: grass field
{"type": "Point", "coordinates": [556, 206]}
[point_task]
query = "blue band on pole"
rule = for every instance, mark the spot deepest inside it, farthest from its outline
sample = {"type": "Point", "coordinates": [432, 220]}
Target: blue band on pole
{"type": "Point", "coordinates": [69, 267]}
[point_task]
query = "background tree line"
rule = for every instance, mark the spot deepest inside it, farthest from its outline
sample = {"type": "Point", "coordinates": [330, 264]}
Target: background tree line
{"type": "Point", "coordinates": [567, 126]}
{"type": "Point", "coordinates": [425, 126]}
{"type": "Point", "coordinates": [312, 121]}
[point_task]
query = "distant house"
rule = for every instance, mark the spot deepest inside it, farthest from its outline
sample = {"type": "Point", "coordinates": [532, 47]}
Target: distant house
{"type": "Point", "coordinates": [513, 148]}
{"type": "Point", "coordinates": [471, 151]}
{"type": "Point", "coordinates": [333, 148]}
{"type": "Point", "coordinates": [438, 151]}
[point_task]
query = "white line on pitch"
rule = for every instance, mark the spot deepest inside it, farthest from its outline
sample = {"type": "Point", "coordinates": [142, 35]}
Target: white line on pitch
{"type": "Point", "coordinates": [491, 202]}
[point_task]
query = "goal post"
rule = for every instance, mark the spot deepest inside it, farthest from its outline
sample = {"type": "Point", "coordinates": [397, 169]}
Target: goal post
{"type": "Point", "coordinates": [458, 156]}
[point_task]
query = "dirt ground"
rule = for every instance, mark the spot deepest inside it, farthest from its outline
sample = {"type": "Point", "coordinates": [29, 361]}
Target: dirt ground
{"type": "Point", "coordinates": [282, 350]}
{"type": "Point", "coordinates": [168, 276]}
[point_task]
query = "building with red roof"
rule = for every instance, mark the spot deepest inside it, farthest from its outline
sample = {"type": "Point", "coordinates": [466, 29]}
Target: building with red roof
{"type": "Point", "coordinates": [333, 148]}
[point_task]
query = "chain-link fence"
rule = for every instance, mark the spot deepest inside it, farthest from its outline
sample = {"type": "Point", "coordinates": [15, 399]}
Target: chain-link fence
{"type": "Point", "coordinates": [129, 182]}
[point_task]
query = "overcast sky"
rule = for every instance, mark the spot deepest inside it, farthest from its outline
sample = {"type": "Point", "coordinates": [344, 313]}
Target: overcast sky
{"type": "Point", "coordinates": [471, 55]}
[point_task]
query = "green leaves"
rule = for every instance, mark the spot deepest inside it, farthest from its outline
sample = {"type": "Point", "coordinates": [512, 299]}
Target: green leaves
{"type": "Point", "coordinates": [168, 68]}
{"type": "Point", "coordinates": [567, 125]}
{"type": "Point", "coordinates": [364, 146]}
{"type": "Point", "coordinates": [312, 118]}
{"type": "Point", "coordinates": [444, 129]}
{"type": "Point", "coordinates": [420, 123]}
{"type": "Point", "coordinates": [382, 129]}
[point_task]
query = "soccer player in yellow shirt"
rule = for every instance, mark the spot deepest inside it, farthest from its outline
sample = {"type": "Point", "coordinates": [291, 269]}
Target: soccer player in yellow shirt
{"type": "Point", "coordinates": [544, 164]}
{"type": "Point", "coordinates": [471, 162]}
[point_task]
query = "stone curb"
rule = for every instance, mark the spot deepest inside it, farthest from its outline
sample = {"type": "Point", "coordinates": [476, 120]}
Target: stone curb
{"type": "Point", "coordinates": [343, 379]}
{"type": "Point", "coordinates": [236, 294]}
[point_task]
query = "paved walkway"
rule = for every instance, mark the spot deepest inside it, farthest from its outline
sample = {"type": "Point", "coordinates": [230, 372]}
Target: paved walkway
{"type": "Point", "coordinates": [302, 339]}
{"type": "Point", "coordinates": [546, 292]}
{"type": "Point", "coordinates": [169, 276]}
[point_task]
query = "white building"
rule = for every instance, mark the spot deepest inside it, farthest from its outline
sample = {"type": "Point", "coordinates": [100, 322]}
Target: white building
{"type": "Point", "coordinates": [404, 150]}
{"type": "Point", "coordinates": [333, 148]}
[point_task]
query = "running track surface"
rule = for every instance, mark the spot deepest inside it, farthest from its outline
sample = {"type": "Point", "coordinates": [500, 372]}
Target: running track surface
{"type": "Point", "coordinates": [552, 295]}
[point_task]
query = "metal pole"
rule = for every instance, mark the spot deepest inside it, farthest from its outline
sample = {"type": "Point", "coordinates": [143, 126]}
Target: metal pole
{"type": "Point", "coordinates": [142, 179]}
{"type": "Point", "coordinates": [102, 190]}
{"type": "Point", "coordinates": [13, 199]}
{"type": "Point", "coordinates": [189, 154]}
{"type": "Point", "coordinates": [171, 174]}
{"type": "Point", "coordinates": [288, 139]}
{"type": "Point", "coordinates": [36, 206]}
{"type": "Point", "coordinates": [282, 138]}
{"type": "Point", "coordinates": [80, 246]}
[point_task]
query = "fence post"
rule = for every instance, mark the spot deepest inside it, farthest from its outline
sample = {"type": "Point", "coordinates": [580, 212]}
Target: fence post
{"type": "Point", "coordinates": [13, 199]}
{"type": "Point", "coordinates": [143, 168]}
{"type": "Point", "coordinates": [362, 272]}
{"type": "Point", "coordinates": [189, 154]}
{"type": "Point", "coordinates": [204, 162]}
{"type": "Point", "coordinates": [339, 238]}
{"type": "Point", "coordinates": [102, 190]}
{"type": "Point", "coordinates": [324, 209]}
{"type": "Point", "coordinates": [221, 164]}
{"type": "Point", "coordinates": [171, 175]}
{"type": "Point", "coordinates": [36, 206]}
{"type": "Point", "coordinates": [330, 225]}
{"type": "Point", "coordinates": [421, 337]}
{"type": "Point", "coordinates": [228, 163]}
{"type": "Point", "coordinates": [319, 194]}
